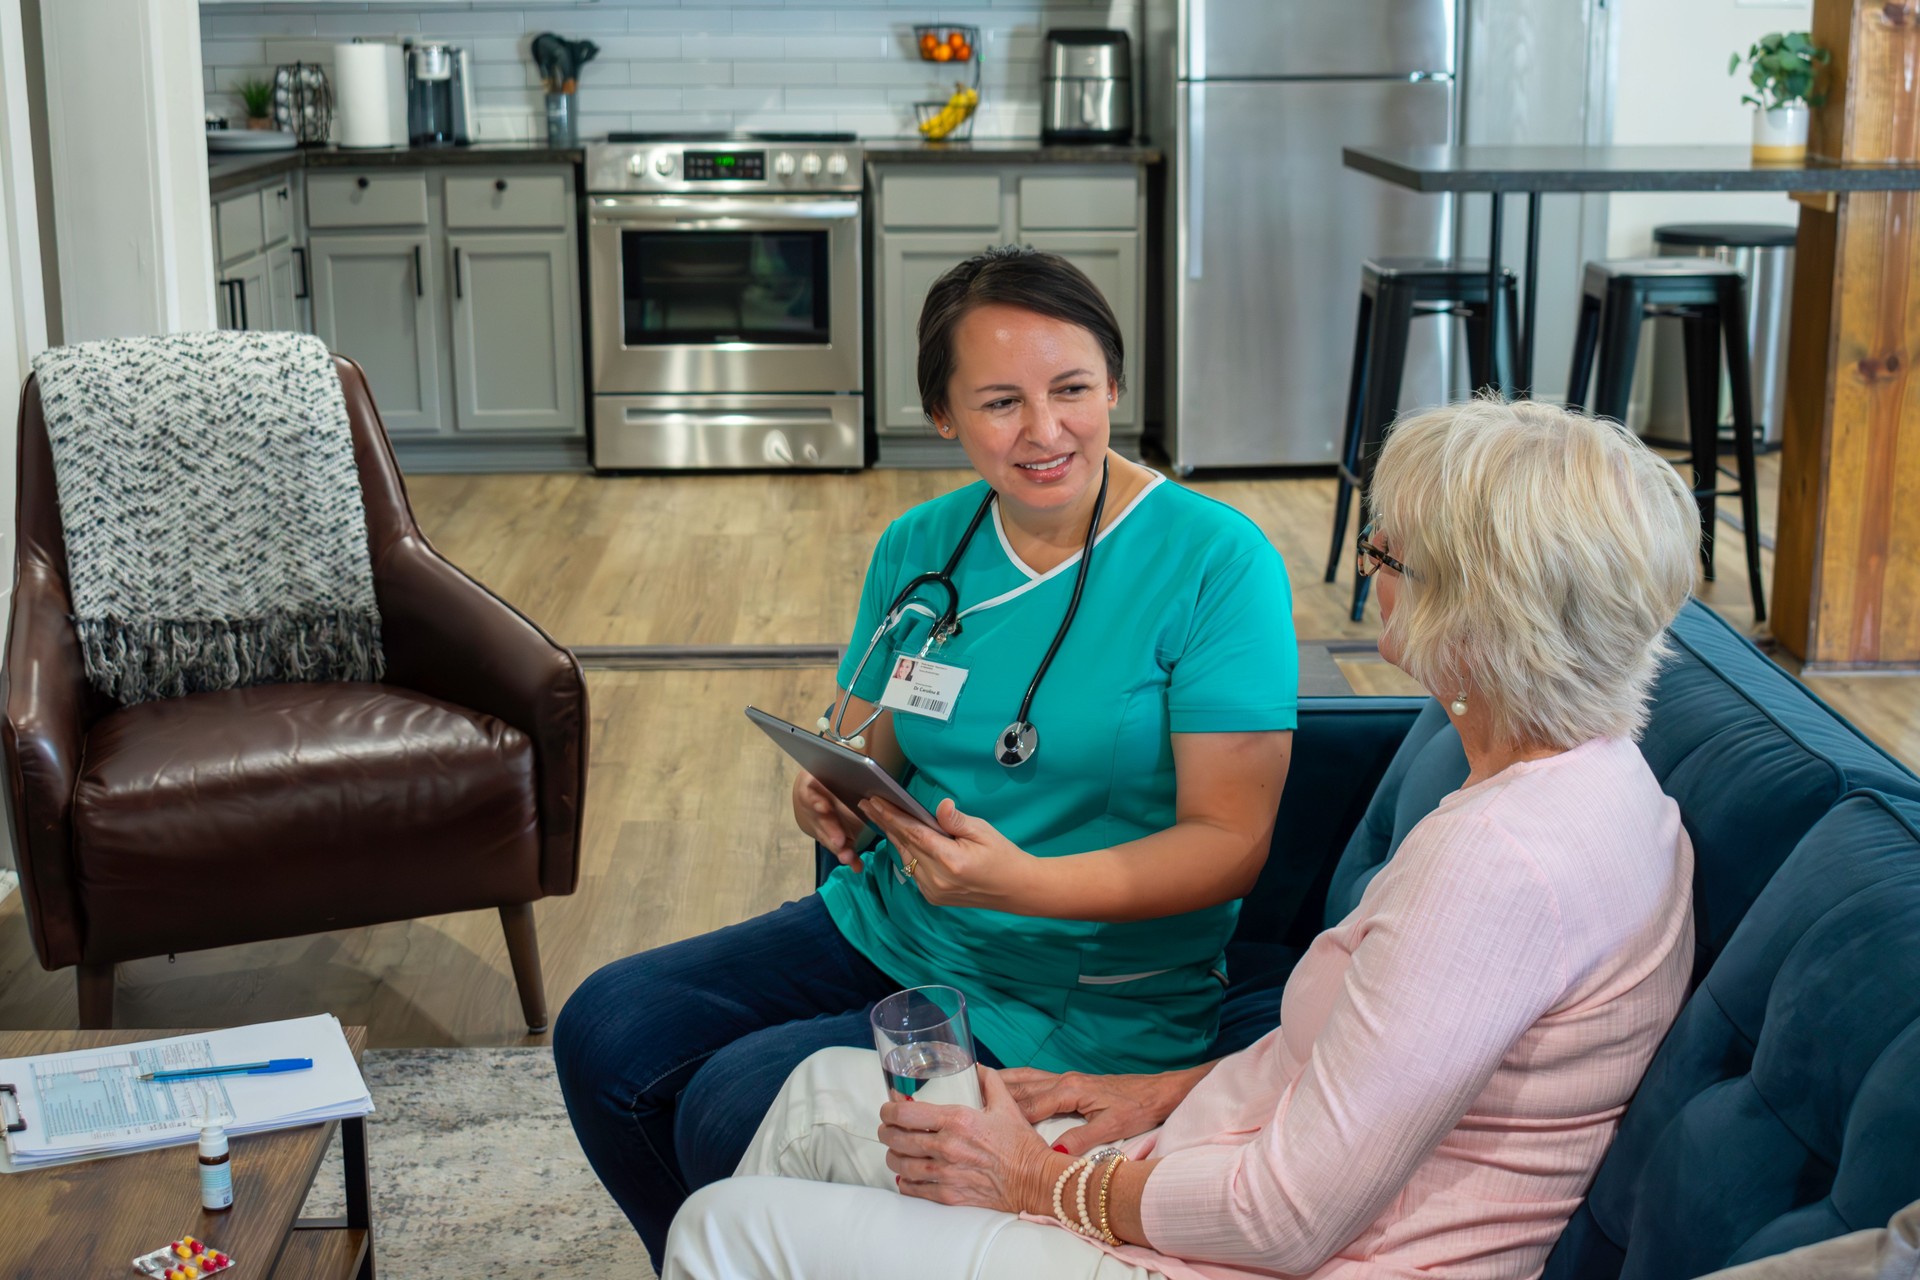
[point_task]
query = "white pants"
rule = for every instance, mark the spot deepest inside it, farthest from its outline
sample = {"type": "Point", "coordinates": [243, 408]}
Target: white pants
{"type": "Point", "coordinates": [813, 1199]}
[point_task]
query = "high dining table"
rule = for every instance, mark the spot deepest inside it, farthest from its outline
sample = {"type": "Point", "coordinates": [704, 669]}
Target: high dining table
{"type": "Point", "coordinates": [1500, 171]}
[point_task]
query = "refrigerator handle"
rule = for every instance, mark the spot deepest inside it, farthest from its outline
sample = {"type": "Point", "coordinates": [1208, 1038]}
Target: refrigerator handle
{"type": "Point", "coordinates": [1196, 177]}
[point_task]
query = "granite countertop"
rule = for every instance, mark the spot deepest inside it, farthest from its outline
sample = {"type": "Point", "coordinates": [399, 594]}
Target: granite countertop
{"type": "Point", "coordinates": [227, 170]}
{"type": "Point", "coordinates": [1021, 150]}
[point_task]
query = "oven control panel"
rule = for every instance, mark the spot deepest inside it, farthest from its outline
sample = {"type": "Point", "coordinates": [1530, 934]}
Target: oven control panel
{"type": "Point", "coordinates": [725, 166]}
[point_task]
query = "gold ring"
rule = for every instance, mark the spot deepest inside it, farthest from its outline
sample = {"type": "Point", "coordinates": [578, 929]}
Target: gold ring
{"type": "Point", "coordinates": [908, 869]}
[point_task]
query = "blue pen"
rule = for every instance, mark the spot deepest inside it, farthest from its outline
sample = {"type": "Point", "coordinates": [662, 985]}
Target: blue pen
{"type": "Point", "coordinates": [272, 1068]}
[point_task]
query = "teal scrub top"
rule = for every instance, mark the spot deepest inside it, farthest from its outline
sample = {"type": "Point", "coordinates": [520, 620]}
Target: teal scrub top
{"type": "Point", "coordinates": [1185, 626]}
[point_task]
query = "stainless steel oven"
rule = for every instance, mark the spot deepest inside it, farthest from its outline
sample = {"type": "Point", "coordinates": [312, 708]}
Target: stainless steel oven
{"type": "Point", "coordinates": [726, 302]}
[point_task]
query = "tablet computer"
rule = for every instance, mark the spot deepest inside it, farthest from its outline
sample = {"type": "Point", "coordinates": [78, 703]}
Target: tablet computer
{"type": "Point", "coordinates": [850, 776]}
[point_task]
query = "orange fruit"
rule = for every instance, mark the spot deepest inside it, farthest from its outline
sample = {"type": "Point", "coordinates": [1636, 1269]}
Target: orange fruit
{"type": "Point", "coordinates": [956, 38]}
{"type": "Point", "coordinates": [927, 41]}
{"type": "Point", "coordinates": [943, 53]}
{"type": "Point", "coordinates": [962, 52]}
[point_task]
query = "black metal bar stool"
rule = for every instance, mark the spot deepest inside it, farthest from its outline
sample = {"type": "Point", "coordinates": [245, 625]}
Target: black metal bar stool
{"type": "Point", "coordinates": [1710, 301]}
{"type": "Point", "coordinates": [1392, 292]}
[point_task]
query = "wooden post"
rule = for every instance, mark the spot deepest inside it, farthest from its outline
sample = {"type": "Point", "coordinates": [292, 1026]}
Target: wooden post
{"type": "Point", "coordinates": [1847, 566]}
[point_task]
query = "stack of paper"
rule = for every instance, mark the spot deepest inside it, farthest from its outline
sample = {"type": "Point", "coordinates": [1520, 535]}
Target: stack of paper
{"type": "Point", "coordinates": [91, 1102]}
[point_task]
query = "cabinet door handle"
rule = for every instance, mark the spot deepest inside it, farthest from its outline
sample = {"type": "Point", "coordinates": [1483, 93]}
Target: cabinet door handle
{"type": "Point", "coordinates": [306, 276]}
{"type": "Point", "coordinates": [240, 291]}
{"type": "Point", "coordinates": [499, 184]}
{"type": "Point", "coordinates": [458, 290]}
{"type": "Point", "coordinates": [282, 193]}
{"type": "Point", "coordinates": [419, 276]}
{"type": "Point", "coordinates": [361, 183]}
{"type": "Point", "coordinates": [233, 314]}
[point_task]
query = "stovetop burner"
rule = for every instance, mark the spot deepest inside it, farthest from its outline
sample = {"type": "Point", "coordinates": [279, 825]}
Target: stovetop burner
{"type": "Point", "coordinates": [684, 136]}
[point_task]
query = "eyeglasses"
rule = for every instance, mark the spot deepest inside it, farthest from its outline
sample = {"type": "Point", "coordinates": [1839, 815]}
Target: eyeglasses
{"type": "Point", "coordinates": [1369, 558]}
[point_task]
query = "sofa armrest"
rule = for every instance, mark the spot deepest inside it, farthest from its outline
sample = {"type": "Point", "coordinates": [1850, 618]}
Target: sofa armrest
{"type": "Point", "coordinates": [447, 636]}
{"type": "Point", "coordinates": [48, 705]}
{"type": "Point", "coordinates": [1340, 750]}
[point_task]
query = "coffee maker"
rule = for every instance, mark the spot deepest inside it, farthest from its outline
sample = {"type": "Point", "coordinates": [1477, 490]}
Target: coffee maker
{"type": "Point", "coordinates": [439, 95]}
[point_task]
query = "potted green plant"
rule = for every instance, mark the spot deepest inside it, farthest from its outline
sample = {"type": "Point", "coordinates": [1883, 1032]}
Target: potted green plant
{"type": "Point", "coordinates": [1782, 67]}
{"type": "Point", "coordinates": [258, 97]}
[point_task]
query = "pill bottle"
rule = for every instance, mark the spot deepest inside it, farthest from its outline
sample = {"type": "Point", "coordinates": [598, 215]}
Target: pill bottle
{"type": "Point", "coordinates": [216, 1170]}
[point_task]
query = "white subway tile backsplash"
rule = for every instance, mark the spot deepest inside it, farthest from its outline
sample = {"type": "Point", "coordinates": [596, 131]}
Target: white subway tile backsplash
{"type": "Point", "coordinates": [629, 99]}
{"type": "Point", "coordinates": [753, 98]}
{"type": "Point", "coordinates": [686, 64]}
{"type": "Point", "coordinates": [848, 44]}
{"type": "Point", "coordinates": [475, 22]}
{"type": "Point", "coordinates": [783, 72]}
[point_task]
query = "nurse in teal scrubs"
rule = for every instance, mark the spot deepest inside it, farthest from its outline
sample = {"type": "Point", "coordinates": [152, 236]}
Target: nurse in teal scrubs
{"type": "Point", "coordinates": [1082, 897]}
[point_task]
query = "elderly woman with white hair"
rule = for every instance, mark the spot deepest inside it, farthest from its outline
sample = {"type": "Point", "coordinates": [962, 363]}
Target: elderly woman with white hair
{"type": "Point", "coordinates": [1452, 1058]}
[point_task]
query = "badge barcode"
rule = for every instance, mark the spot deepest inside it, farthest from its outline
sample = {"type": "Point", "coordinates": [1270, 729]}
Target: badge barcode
{"type": "Point", "coordinates": [932, 706]}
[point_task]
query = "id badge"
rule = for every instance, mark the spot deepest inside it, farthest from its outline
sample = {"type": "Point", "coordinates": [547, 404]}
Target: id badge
{"type": "Point", "coordinates": [921, 687]}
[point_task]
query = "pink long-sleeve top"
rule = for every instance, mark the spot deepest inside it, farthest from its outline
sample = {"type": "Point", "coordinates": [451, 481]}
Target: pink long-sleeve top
{"type": "Point", "coordinates": [1453, 1057]}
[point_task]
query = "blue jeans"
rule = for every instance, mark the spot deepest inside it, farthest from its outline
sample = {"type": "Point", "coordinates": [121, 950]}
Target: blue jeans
{"type": "Point", "coordinates": [669, 1059]}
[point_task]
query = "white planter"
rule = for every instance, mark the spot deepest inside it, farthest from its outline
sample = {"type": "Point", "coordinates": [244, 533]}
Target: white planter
{"type": "Point", "coordinates": [1780, 133]}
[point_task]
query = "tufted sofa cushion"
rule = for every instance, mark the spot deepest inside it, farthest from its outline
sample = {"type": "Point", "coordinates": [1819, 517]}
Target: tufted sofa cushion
{"type": "Point", "coordinates": [1752, 757]}
{"type": "Point", "coordinates": [1782, 1108]}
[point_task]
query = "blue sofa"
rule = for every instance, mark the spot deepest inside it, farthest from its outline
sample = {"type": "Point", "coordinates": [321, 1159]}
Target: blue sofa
{"type": "Point", "coordinates": [1784, 1106]}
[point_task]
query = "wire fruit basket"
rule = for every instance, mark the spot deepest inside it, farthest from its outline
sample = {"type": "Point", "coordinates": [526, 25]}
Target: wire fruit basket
{"type": "Point", "coordinates": [949, 121]}
{"type": "Point", "coordinates": [941, 43]}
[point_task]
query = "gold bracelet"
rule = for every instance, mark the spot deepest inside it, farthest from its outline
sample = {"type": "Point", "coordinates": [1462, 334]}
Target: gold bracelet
{"type": "Point", "coordinates": [1106, 1179]}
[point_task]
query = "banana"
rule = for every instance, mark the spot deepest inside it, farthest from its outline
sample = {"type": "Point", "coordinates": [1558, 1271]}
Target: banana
{"type": "Point", "coordinates": [952, 115]}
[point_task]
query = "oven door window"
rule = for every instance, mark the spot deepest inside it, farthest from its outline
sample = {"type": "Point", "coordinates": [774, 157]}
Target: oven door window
{"type": "Point", "coordinates": [700, 288]}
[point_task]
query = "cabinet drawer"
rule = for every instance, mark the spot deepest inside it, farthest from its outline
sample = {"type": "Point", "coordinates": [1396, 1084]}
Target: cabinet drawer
{"type": "Point", "coordinates": [507, 200]}
{"type": "Point", "coordinates": [1062, 203]}
{"type": "Point", "coordinates": [239, 223]}
{"type": "Point", "coordinates": [276, 211]}
{"type": "Point", "coordinates": [367, 199]}
{"type": "Point", "coordinates": [940, 200]}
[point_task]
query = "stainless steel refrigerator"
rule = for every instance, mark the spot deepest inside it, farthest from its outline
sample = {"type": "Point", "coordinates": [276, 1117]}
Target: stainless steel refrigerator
{"type": "Point", "coordinates": [1253, 100]}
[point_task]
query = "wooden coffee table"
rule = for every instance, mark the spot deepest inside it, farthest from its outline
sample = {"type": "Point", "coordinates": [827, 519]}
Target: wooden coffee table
{"type": "Point", "coordinates": [92, 1219]}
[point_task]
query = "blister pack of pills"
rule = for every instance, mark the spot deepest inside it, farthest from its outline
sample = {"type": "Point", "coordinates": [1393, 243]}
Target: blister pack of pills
{"type": "Point", "coordinates": [184, 1259]}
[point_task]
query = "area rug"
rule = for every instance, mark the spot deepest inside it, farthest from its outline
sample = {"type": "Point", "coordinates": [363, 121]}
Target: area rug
{"type": "Point", "coordinates": [475, 1172]}
{"type": "Point", "coordinates": [8, 883]}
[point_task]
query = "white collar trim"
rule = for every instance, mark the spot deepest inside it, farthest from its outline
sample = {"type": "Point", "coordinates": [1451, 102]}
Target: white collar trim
{"type": "Point", "coordinates": [1034, 577]}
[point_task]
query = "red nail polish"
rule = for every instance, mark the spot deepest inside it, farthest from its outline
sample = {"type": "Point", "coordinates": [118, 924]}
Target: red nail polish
{"type": "Point", "coordinates": [1061, 1148]}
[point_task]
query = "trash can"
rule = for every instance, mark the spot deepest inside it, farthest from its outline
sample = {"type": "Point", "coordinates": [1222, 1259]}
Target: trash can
{"type": "Point", "coordinates": [1764, 253]}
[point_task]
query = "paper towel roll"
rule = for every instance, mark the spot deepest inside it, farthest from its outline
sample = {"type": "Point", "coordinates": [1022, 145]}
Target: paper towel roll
{"type": "Point", "coordinates": [369, 95]}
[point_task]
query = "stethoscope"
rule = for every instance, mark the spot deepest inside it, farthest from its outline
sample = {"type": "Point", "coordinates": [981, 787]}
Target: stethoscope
{"type": "Point", "coordinates": [1019, 741]}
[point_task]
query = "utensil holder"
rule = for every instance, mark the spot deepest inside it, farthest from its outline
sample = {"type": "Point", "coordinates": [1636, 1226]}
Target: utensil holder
{"type": "Point", "coordinates": [562, 121]}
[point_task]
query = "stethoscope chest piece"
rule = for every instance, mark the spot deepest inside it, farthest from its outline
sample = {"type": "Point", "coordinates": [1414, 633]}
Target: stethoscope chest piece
{"type": "Point", "coordinates": [1016, 744]}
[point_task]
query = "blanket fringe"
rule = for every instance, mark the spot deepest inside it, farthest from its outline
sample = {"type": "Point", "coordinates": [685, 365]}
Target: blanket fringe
{"type": "Point", "coordinates": [140, 660]}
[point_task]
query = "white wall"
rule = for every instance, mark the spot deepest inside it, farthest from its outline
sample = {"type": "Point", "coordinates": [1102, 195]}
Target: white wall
{"type": "Point", "coordinates": [132, 221]}
{"type": "Point", "coordinates": [1672, 86]}
{"type": "Point", "coordinates": [23, 322]}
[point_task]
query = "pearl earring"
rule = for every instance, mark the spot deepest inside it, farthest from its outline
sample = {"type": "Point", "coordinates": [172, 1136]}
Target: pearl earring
{"type": "Point", "coordinates": [1459, 707]}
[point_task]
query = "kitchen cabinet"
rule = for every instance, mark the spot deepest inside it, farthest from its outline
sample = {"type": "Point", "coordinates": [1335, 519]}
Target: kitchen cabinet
{"type": "Point", "coordinates": [458, 290]}
{"type": "Point", "coordinates": [927, 218]}
{"type": "Point", "coordinates": [515, 368]}
{"type": "Point", "coordinates": [374, 300]}
{"type": "Point", "coordinates": [258, 248]}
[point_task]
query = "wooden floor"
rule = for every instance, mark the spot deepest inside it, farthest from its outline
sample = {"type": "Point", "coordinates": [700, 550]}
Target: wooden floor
{"type": "Point", "coordinates": [687, 825]}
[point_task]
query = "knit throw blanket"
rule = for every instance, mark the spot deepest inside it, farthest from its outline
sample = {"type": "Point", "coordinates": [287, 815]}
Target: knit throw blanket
{"type": "Point", "coordinates": [216, 535]}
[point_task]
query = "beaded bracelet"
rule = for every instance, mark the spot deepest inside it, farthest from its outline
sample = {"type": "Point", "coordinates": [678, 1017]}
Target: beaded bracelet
{"type": "Point", "coordinates": [1106, 1180]}
{"type": "Point", "coordinates": [1059, 1189]}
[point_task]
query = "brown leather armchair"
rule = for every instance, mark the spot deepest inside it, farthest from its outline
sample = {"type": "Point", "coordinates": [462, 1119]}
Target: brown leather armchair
{"type": "Point", "coordinates": [454, 784]}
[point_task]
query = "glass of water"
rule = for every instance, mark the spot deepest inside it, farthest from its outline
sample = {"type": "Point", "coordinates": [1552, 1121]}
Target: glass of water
{"type": "Point", "coordinates": [926, 1047]}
